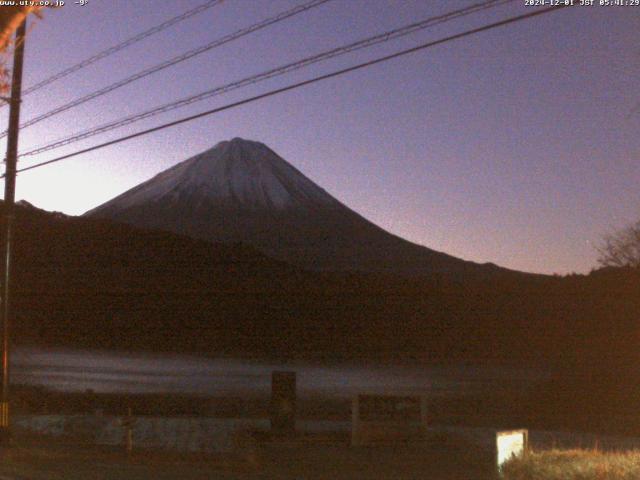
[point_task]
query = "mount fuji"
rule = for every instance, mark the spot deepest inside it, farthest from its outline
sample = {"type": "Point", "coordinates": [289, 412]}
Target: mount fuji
{"type": "Point", "coordinates": [242, 191]}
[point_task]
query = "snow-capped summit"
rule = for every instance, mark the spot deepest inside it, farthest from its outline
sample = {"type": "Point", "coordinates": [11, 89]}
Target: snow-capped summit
{"type": "Point", "coordinates": [242, 191]}
{"type": "Point", "coordinates": [233, 174]}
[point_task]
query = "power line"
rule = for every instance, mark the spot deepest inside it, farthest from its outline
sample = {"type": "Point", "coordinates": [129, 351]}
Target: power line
{"type": "Point", "coordinates": [174, 61]}
{"type": "Point", "coordinates": [300, 84]}
{"type": "Point", "coordinates": [281, 70]}
{"type": "Point", "coordinates": [127, 43]}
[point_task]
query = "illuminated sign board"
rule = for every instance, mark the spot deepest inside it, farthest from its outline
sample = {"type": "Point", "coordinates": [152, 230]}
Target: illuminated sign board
{"type": "Point", "coordinates": [510, 444]}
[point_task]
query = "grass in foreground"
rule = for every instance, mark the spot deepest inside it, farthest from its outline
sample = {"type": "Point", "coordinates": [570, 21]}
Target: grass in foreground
{"type": "Point", "coordinates": [574, 465]}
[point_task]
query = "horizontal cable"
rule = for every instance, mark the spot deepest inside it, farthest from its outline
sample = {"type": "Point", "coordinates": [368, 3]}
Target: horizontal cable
{"type": "Point", "coordinates": [365, 43]}
{"type": "Point", "coordinates": [127, 43]}
{"type": "Point", "coordinates": [169, 63]}
{"type": "Point", "coordinates": [298, 85]}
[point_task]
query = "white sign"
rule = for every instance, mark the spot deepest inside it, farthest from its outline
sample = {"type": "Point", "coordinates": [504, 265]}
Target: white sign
{"type": "Point", "coordinates": [510, 444]}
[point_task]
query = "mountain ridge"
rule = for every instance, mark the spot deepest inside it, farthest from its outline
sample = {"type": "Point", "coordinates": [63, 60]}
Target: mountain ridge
{"type": "Point", "coordinates": [242, 191]}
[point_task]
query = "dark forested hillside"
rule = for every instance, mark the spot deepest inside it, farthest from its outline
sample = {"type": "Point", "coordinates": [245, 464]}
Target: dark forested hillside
{"type": "Point", "coordinates": [92, 283]}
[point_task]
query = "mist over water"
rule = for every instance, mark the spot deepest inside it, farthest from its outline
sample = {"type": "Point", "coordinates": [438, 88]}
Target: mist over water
{"type": "Point", "coordinates": [116, 372]}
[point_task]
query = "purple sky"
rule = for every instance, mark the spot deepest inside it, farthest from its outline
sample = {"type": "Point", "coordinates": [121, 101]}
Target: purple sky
{"type": "Point", "coordinates": [517, 146]}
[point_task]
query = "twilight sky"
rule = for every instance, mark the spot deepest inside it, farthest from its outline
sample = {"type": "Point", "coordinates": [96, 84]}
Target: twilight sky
{"type": "Point", "coordinates": [519, 146]}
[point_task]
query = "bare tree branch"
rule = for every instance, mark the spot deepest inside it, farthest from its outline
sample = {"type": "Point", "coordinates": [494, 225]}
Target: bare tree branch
{"type": "Point", "coordinates": [622, 248]}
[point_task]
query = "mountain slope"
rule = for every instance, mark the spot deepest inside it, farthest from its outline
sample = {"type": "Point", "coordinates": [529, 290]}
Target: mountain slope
{"type": "Point", "coordinates": [242, 191]}
{"type": "Point", "coordinates": [94, 283]}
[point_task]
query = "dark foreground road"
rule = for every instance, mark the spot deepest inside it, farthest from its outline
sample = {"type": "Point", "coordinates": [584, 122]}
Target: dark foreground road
{"type": "Point", "coordinates": [306, 458]}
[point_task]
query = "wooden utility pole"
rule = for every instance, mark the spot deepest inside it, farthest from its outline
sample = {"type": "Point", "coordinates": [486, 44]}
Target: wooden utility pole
{"type": "Point", "coordinates": [9, 201]}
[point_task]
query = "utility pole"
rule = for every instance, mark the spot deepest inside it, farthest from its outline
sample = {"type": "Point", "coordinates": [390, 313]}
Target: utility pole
{"type": "Point", "coordinates": [9, 201]}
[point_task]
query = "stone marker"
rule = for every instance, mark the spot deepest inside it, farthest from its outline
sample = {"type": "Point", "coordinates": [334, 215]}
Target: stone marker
{"type": "Point", "coordinates": [387, 418]}
{"type": "Point", "coordinates": [283, 403]}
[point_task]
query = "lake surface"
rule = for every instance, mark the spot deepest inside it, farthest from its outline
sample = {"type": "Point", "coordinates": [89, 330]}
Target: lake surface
{"type": "Point", "coordinates": [79, 370]}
